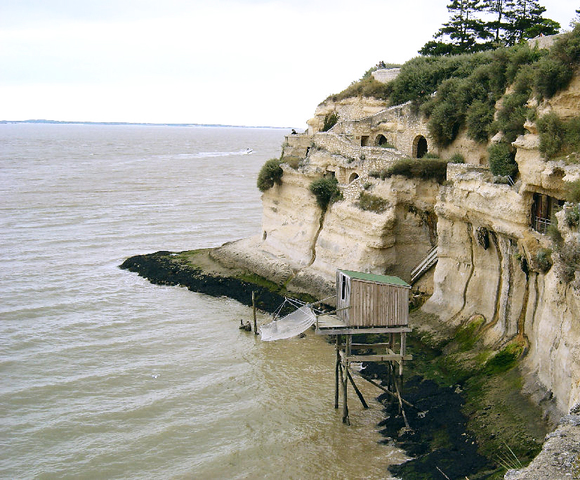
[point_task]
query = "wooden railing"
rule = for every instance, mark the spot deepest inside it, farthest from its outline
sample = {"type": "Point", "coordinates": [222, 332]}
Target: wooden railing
{"type": "Point", "coordinates": [420, 270]}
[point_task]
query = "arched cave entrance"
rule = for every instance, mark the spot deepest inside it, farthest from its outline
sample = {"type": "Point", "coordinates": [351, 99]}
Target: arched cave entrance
{"type": "Point", "coordinates": [381, 141]}
{"type": "Point", "coordinates": [353, 177]}
{"type": "Point", "coordinates": [420, 147]}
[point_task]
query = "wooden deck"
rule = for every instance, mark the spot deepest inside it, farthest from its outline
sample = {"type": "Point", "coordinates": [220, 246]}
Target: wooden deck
{"type": "Point", "coordinates": [332, 325]}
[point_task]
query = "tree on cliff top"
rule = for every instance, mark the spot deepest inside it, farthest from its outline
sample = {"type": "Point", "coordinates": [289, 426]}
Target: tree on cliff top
{"type": "Point", "coordinates": [463, 32]}
{"type": "Point", "coordinates": [470, 30]}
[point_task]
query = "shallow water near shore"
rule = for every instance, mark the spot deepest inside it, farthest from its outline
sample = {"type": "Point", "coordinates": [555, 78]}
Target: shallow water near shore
{"type": "Point", "coordinates": [108, 376]}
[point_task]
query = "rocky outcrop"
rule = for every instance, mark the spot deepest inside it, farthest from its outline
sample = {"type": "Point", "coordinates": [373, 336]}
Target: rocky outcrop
{"type": "Point", "coordinates": [559, 456]}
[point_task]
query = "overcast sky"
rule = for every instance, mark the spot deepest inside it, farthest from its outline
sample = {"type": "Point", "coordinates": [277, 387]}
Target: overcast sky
{"type": "Point", "coordinates": [239, 62]}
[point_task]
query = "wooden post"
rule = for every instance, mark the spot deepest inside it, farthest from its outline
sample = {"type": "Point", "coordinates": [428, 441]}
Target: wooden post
{"type": "Point", "coordinates": [358, 392]}
{"type": "Point", "coordinates": [403, 348]}
{"type": "Point", "coordinates": [254, 310]}
{"type": "Point", "coordinates": [345, 418]}
{"type": "Point", "coordinates": [337, 367]}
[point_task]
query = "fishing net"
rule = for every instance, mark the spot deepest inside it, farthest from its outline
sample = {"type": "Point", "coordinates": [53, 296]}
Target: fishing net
{"type": "Point", "coordinates": [289, 326]}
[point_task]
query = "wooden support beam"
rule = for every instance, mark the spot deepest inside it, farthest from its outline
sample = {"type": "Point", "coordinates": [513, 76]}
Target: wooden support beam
{"type": "Point", "coordinates": [379, 358]}
{"type": "Point", "coordinates": [358, 392]}
{"type": "Point", "coordinates": [322, 330]}
{"type": "Point", "coordinates": [344, 381]}
{"type": "Point", "coordinates": [337, 367]}
{"type": "Point", "coordinates": [394, 395]}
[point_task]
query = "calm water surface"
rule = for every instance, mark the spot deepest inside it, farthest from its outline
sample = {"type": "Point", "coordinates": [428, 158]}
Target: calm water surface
{"type": "Point", "coordinates": [107, 376]}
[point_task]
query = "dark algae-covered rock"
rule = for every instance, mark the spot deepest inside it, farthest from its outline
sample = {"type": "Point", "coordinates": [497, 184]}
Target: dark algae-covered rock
{"type": "Point", "coordinates": [196, 271]}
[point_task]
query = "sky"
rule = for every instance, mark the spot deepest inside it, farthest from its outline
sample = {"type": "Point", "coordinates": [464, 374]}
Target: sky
{"type": "Point", "coordinates": [231, 62]}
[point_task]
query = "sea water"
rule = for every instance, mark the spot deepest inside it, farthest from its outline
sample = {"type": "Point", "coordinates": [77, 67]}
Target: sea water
{"type": "Point", "coordinates": [104, 375]}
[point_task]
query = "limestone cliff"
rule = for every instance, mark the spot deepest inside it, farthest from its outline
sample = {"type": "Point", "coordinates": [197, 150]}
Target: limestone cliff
{"type": "Point", "coordinates": [494, 255]}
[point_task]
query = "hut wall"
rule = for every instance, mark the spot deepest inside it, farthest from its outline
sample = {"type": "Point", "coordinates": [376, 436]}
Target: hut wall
{"type": "Point", "coordinates": [374, 305]}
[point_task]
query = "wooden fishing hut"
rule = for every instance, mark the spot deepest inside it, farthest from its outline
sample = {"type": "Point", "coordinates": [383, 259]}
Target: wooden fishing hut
{"type": "Point", "coordinates": [368, 304]}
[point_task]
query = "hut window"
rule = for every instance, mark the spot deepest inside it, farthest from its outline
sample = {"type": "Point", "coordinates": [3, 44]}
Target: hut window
{"type": "Point", "coordinates": [343, 288]}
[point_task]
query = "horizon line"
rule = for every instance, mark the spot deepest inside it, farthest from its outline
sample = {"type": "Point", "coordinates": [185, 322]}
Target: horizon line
{"type": "Point", "coordinates": [77, 122]}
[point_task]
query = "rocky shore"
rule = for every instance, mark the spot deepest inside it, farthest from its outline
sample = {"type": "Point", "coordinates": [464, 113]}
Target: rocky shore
{"type": "Point", "coordinates": [466, 423]}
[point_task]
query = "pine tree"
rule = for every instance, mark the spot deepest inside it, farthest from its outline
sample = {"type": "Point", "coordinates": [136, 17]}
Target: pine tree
{"type": "Point", "coordinates": [576, 20]}
{"type": "Point", "coordinates": [463, 32]}
{"type": "Point", "coordinates": [500, 9]}
{"type": "Point", "coordinates": [524, 20]}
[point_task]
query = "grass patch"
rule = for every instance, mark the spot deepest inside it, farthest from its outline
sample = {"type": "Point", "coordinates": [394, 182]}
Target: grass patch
{"type": "Point", "coordinates": [371, 203]}
{"type": "Point", "coordinates": [292, 161]}
{"type": "Point", "coordinates": [425, 169]}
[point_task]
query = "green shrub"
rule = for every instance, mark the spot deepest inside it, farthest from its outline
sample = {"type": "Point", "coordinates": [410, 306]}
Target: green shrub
{"type": "Point", "coordinates": [569, 261]}
{"type": "Point", "coordinates": [326, 191]}
{"type": "Point", "coordinates": [372, 203]}
{"type": "Point", "coordinates": [552, 75]}
{"type": "Point", "coordinates": [292, 161]}
{"type": "Point", "coordinates": [424, 168]}
{"type": "Point", "coordinates": [457, 158]}
{"type": "Point", "coordinates": [551, 129]}
{"type": "Point", "coordinates": [556, 70]}
{"type": "Point", "coordinates": [512, 115]}
{"type": "Point", "coordinates": [330, 121]}
{"type": "Point", "coordinates": [573, 192]}
{"type": "Point", "coordinates": [501, 160]}
{"type": "Point", "coordinates": [270, 174]}
{"type": "Point", "coordinates": [479, 119]}
{"type": "Point", "coordinates": [544, 259]}
{"type": "Point", "coordinates": [572, 217]}
{"type": "Point", "coordinates": [558, 137]}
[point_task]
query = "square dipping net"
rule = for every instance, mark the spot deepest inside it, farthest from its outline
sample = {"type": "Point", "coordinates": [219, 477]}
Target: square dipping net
{"type": "Point", "coordinates": [289, 326]}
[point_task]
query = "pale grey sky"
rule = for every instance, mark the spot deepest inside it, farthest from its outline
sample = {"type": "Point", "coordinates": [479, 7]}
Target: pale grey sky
{"type": "Point", "coordinates": [241, 62]}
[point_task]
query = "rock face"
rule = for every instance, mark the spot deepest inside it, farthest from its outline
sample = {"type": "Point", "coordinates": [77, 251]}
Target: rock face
{"type": "Point", "coordinates": [495, 257]}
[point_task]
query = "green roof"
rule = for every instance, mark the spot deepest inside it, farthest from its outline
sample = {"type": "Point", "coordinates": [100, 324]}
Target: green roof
{"type": "Point", "coordinates": [371, 277]}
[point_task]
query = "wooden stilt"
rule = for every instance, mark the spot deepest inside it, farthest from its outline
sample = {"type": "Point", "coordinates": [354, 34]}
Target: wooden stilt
{"type": "Point", "coordinates": [358, 392]}
{"type": "Point", "coordinates": [372, 382]}
{"type": "Point", "coordinates": [336, 369]}
{"type": "Point", "coordinates": [344, 381]}
{"type": "Point", "coordinates": [403, 348]}
{"type": "Point", "coordinates": [254, 310]}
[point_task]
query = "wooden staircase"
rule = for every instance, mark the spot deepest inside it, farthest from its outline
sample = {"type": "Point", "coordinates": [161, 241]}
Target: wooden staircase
{"type": "Point", "coordinates": [420, 270]}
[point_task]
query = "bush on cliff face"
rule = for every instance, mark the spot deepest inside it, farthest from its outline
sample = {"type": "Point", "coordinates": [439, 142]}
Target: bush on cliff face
{"type": "Point", "coordinates": [372, 203]}
{"type": "Point", "coordinates": [425, 168]}
{"type": "Point", "coordinates": [558, 137]}
{"type": "Point", "coordinates": [270, 174]}
{"type": "Point", "coordinates": [326, 191]}
{"type": "Point", "coordinates": [330, 121]}
{"type": "Point", "coordinates": [501, 160]}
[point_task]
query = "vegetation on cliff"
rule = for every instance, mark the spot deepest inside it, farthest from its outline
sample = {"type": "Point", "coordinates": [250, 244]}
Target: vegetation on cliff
{"type": "Point", "coordinates": [477, 25]}
{"type": "Point", "coordinates": [270, 174]}
{"type": "Point", "coordinates": [485, 93]}
{"type": "Point", "coordinates": [426, 169]}
{"type": "Point", "coordinates": [326, 191]}
{"type": "Point", "coordinates": [484, 424]}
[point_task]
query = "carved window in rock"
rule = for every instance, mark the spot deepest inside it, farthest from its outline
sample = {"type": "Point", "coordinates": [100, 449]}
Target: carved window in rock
{"type": "Point", "coordinates": [364, 141]}
{"type": "Point", "coordinates": [420, 147]}
{"type": "Point", "coordinates": [543, 209]}
{"type": "Point", "coordinates": [353, 177]}
{"type": "Point", "coordinates": [381, 141]}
